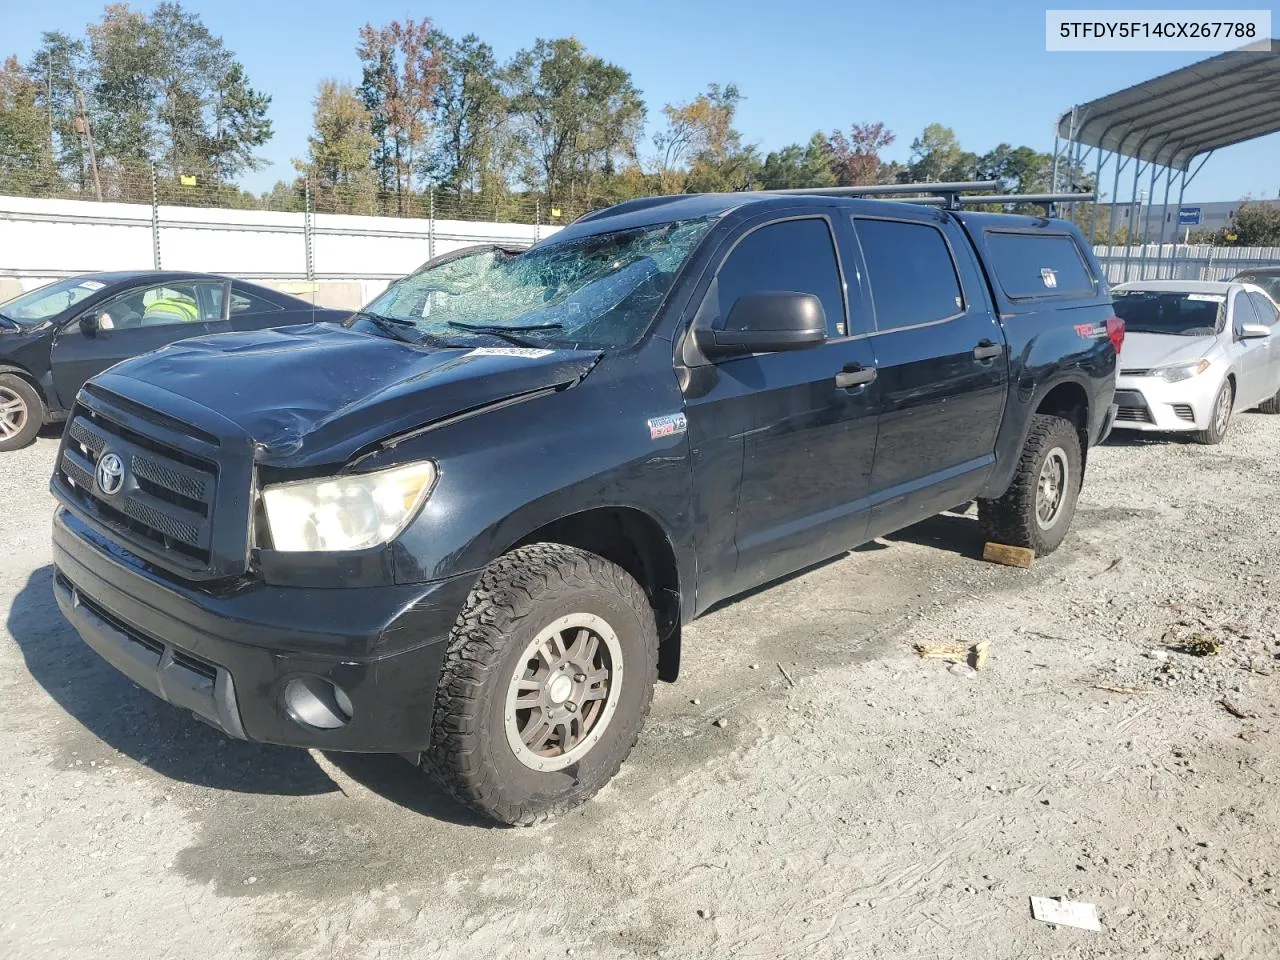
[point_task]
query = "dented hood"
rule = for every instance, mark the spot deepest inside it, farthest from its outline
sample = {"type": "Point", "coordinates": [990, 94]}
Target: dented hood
{"type": "Point", "coordinates": [320, 393]}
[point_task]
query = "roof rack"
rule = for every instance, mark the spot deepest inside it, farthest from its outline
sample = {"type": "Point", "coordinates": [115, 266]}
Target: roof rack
{"type": "Point", "coordinates": [947, 195]}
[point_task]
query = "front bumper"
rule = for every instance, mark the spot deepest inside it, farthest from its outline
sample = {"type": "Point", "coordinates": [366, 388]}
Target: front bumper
{"type": "Point", "coordinates": [1150, 403]}
{"type": "Point", "coordinates": [228, 657]}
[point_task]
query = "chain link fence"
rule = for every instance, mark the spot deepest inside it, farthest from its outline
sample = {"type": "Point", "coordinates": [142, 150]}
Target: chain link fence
{"type": "Point", "coordinates": [145, 183]}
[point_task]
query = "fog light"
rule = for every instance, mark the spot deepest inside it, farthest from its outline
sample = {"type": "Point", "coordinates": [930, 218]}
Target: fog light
{"type": "Point", "coordinates": [316, 702]}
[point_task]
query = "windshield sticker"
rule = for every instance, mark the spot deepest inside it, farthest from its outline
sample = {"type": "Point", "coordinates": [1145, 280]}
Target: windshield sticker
{"type": "Point", "coordinates": [1207, 297]}
{"type": "Point", "coordinates": [668, 426]}
{"type": "Point", "coordinates": [529, 353]}
{"type": "Point", "coordinates": [92, 284]}
{"type": "Point", "coordinates": [1050, 277]}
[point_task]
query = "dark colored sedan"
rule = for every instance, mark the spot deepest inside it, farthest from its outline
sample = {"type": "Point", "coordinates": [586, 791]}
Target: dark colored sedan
{"type": "Point", "coordinates": [1268, 278]}
{"type": "Point", "coordinates": [55, 338]}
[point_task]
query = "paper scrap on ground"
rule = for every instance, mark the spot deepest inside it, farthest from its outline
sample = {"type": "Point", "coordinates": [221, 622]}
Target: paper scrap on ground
{"type": "Point", "coordinates": [1066, 913]}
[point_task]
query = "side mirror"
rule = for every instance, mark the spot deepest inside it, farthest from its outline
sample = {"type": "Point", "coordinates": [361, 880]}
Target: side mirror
{"type": "Point", "coordinates": [767, 322]}
{"type": "Point", "coordinates": [90, 324]}
{"type": "Point", "coordinates": [1254, 331]}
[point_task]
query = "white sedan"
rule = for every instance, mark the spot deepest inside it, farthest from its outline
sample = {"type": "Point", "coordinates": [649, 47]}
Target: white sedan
{"type": "Point", "coordinates": [1194, 353]}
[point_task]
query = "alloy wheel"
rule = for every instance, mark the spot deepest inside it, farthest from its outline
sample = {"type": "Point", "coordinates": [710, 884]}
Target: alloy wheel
{"type": "Point", "coordinates": [563, 692]}
{"type": "Point", "coordinates": [13, 413]}
{"type": "Point", "coordinates": [1051, 489]}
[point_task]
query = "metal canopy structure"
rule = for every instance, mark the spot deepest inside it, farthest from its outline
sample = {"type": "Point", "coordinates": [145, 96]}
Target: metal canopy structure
{"type": "Point", "coordinates": [1165, 129]}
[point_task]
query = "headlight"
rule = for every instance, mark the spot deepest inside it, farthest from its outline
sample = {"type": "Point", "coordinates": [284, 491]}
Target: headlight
{"type": "Point", "coordinates": [1181, 371]}
{"type": "Point", "coordinates": [347, 512]}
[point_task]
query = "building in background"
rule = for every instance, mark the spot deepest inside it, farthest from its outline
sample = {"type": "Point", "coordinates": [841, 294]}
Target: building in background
{"type": "Point", "coordinates": [1146, 223]}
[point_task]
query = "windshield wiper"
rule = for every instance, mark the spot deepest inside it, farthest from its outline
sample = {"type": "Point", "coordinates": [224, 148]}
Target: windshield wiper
{"type": "Point", "coordinates": [509, 334]}
{"type": "Point", "coordinates": [392, 325]}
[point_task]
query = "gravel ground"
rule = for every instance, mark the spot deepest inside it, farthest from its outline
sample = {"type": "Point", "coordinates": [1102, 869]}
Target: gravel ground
{"type": "Point", "coordinates": [859, 800]}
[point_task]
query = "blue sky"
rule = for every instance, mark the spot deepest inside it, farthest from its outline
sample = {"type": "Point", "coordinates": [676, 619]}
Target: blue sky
{"type": "Point", "coordinates": [818, 66]}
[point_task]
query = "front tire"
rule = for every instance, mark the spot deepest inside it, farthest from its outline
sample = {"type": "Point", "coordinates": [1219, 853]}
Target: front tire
{"type": "Point", "coordinates": [22, 412]}
{"type": "Point", "coordinates": [1036, 511]}
{"type": "Point", "coordinates": [547, 680]}
{"type": "Point", "coordinates": [1220, 416]}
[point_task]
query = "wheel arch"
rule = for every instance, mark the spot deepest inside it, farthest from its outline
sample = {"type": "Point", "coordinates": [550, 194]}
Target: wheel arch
{"type": "Point", "coordinates": [638, 543]}
{"type": "Point", "coordinates": [1069, 400]}
{"type": "Point", "coordinates": [29, 377]}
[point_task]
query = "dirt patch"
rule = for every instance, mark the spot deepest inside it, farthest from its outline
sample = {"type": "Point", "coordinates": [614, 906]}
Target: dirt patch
{"type": "Point", "coordinates": [858, 800]}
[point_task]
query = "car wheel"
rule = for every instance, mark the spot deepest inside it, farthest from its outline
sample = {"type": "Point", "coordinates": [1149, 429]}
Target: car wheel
{"type": "Point", "coordinates": [1036, 510]}
{"type": "Point", "coordinates": [1271, 404]}
{"type": "Point", "coordinates": [1220, 417]}
{"type": "Point", "coordinates": [547, 680]}
{"type": "Point", "coordinates": [21, 412]}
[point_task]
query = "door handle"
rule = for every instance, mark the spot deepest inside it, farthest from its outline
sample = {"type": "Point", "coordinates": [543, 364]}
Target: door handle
{"type": "Point", "coordinates": [985, 349]}
{"type": "Point", "coordinates": [855, 375]}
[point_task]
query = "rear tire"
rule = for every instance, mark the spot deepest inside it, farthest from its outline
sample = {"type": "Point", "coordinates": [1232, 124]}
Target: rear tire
{"type": "Point", "coordinates": [1036, 511]}
{"type": "Point", "coordinates": [22, 412]}
{"type": "Point", "coordinates": [573, 637]}
{"type": "Point", "coordinates": [1271, 404]}
{"type": "Point", "coordinates": [1219, 417]}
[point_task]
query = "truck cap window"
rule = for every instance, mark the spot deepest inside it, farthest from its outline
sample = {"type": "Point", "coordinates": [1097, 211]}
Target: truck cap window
{"type": "Point", "coordinates": [597, 291]}
{"type": "Point", "coordinates": [911, 272]}
{"type": "Point", "coordinates": [1033, 266]}
{"type": "Point", "coordinates": [793, 255]}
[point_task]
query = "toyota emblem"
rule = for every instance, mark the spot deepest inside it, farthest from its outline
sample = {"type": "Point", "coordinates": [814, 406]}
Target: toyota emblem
{"type": "Point", "coordinates": [110, 474]}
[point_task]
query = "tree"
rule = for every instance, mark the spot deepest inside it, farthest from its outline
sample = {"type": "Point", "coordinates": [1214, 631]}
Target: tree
{"type": "Point", "coordinates": [124, 95]}
{"type": "Point", "coordinates": [401, 70]}
{"type": "Point", "coordinates": [471, 110]}
{"type": "Point", "coordinates": [212, 119]}
{"type": "Point", "coordinates": [798, 166]}
{"type": "Point", "coordinates": [576, 115]}
{"type": "Point", "coordinates": [240, 123]}
{"type": "Point", "coordinates": [61, 71]}
{"type": "Point", "coordinates": [169, 90]}
{"type": "Point", "coordinates": [1019, 169]}
{"type": "Point", "coordinates": [339, 147]}
{"type": "Point", "coordinates": [26, 163]}
{"type": "Point", "coordinates": [855, 159]}
{"type": "Point", "coordinates": [1255, 224]}
{"type": "Point", "coordinates": [936, 156]}
{"type": "Point", "coordinates": [700, 149]}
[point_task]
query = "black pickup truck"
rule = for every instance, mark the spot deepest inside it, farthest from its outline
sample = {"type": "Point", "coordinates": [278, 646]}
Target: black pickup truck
{"type": "Point", "coordinates": [468, 525]}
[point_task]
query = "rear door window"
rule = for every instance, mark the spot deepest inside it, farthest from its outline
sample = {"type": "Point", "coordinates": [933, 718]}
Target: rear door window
{"type": "Point", "coordinates": [1032, 266]}
{"type": "Point", "coordinates": [242, 302]}
{"type": "Point", "coordinates": [790, 255]}
{"type": "Point", "coordinates": [911, 272]}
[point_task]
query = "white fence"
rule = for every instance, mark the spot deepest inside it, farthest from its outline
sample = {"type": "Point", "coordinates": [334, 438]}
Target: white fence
{"type": "Point", "coordinates": [342, 260]}
{"type": "Point", "coordinates": [1180, 261]}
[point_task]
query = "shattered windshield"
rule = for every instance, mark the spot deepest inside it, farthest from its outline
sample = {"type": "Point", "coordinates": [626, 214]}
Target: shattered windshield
{"type": "Point", "coordinates": [597, 291]}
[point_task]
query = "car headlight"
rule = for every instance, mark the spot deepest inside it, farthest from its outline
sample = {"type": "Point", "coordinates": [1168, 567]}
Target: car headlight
{"type": "Point", "coordinates": [1181, 371]}
{"type": "Point", "coordinates": [349, 512]}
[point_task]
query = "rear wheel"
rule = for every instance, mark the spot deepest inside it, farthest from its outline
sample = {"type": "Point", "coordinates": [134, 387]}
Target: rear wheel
{"type": "Point", "coordinates": [547, 680]}
{"type": "Point", "coordinates": [1220, 417]}
{"type": "Point", "coordinates": [1271, 404]}
{"type": "Point", "coordinates": [1036, 511]}
{"type": "Point", "coordinates": [21, 412]}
